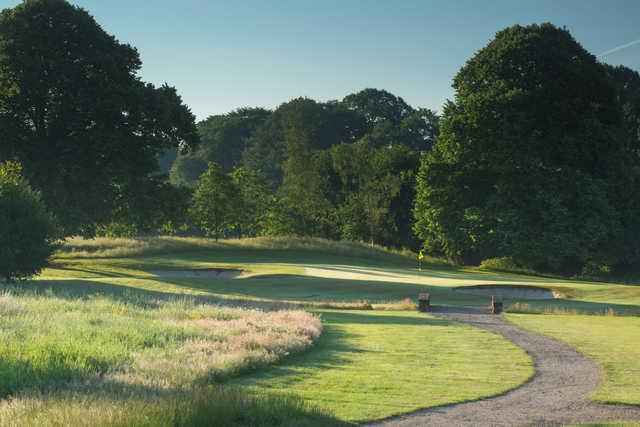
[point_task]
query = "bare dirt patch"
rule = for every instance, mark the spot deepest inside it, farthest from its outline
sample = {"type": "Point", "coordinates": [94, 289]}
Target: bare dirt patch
{"type": "Point", "coordinates": [210, 273]}
{"type": "Point", "coordinates": [509, 291]}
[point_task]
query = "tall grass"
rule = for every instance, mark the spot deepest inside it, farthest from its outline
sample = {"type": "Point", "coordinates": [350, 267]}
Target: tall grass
{"type": "Point", "coordinates": [103, 247]}
{"type": "Point", "coordinates": [211, 406]}
{"type": "Point", "coordinates": [134, 350]}
{"type": "Point", "coordinates": [524, 308]}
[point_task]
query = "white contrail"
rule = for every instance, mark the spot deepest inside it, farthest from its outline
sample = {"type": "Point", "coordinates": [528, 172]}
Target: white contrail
{"type": "Point", "coordinates": [617, 48]}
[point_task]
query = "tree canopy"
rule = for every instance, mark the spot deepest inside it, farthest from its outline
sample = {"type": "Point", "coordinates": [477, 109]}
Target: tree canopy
{"type": "Point", "coordinates": [74, 112]}
{"type": "Point", "coordinates": [529, 157]}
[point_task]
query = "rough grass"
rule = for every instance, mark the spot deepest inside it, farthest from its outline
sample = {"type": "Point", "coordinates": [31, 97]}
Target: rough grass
{"type": "Point", "coordinates": [104, 247]}
{"type": "Point", "coordinates": [133, 345]}
{"type": "Point", "coordinates": [524, 308]}
{"type": "Point", "coordinates": [612, 342]}
{"type": "Point", "coordinates": [211, 406]}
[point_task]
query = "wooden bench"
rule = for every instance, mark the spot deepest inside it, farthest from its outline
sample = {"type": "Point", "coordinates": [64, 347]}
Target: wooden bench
{"type": "Point", "coordinates": [496, 305]}
{"type": "Point", "coordinates": [424, 302]}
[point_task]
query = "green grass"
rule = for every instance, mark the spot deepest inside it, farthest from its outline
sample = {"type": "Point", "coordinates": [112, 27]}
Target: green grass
{"type": "Point", "coordinates": [612, 342]}
{"type": "Point", "coordinates": [278, 266]}
{"type": "Point", "coordinates": [372, 365]}
{"type": "Point", "coordinates": [200, 407]}
{"type": "Point", "coordinates": [109, 347]}
{"type": "Point", "coordinates": [367, 364]}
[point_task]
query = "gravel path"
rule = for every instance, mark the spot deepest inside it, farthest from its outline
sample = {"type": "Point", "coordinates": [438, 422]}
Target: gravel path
{"type": "Point", "coordinates": [556, 395]}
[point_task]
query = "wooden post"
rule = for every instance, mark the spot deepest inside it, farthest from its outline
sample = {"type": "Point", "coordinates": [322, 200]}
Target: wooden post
{"type": "Point", "coordinates": [496, 305]}
{"type": "Point", "coordinates": [424, 303]}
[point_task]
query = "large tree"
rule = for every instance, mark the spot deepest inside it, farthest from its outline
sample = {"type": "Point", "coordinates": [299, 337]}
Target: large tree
{"type": "Point", "coordinates": [529, 156]}
{"type": "Point", "coordinates": [75, 113]}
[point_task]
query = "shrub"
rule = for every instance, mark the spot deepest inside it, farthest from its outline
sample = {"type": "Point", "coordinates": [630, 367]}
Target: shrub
{"type": "Point", "coordinates": [504, 265]}
{"type": "Point", "coordinates": [27, 230]}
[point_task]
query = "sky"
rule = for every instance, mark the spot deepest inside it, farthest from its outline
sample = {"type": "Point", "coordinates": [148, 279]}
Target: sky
{"type": "Point", "coordinates": [222, 55]}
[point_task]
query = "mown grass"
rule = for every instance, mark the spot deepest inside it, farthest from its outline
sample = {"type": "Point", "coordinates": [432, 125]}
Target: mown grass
{"type": "Point", "coordinates": [611, 341]}
{"type": "Point", "coordinates": [370, 365]}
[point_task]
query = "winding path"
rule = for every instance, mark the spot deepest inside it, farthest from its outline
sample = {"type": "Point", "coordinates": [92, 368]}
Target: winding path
{"type": "Point", "coordinates": [556, 394]}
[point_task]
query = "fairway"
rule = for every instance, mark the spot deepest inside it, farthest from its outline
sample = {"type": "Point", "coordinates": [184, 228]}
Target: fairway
{"type": "Point", "coordinates": [372, 365]}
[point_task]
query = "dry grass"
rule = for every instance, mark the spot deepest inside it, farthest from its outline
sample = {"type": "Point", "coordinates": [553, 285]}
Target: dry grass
{"type": "Point", "coordinates": [104, 247]}
{"type": "Point", "coordinates": [406, 304]}
{"type": "Point", "coordinates": [211, 406]}
{"type": "Point", "coordinates": [524, 308]}
{"type": "Point", "coordinates": [132, 350]}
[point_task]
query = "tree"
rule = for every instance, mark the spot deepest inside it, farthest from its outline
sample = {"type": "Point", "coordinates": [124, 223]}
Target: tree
{"type": "Point", "coordinates": [528, 157]}
{"type": "Point", "coordinates": [255, 202]}
{"type": "Point", "coordinates": [222, 140]}
{"type": "Point", "coordinates": [74, 112]}
{"type": "Point", "coordinates": [325, 125]}
{"type": "Point", "coordinates": [627, 84]}
{"type": "Point", "coordinates": [375, 191]}
{"type": "Point", "coordinates": [215, 204]}
{"type": "Point", "coordinates": [378, 106]}
{"type": "Point", "coordinates": [149, 205]}
{"type": "Point", "coordinates": [27, 230]}
{"type": "Point", "coordinates": [419, 130]}
{"type": "Point", "coordinates": [305, 186]}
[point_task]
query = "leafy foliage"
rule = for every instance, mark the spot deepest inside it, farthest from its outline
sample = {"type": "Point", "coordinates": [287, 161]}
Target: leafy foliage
{"type": "Point", "coordinates": [27, 230]}
{"type": "Point", "coordinates": [222, 140]}
{"type": "Point", "coordinates": [75, 114]}
{"type": "Point", "coordinates": [215, 204]}
{"type": "Point", "coordinates": [508, 177]}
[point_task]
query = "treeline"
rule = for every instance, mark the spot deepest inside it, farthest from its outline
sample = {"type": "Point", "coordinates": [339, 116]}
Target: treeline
{"type": "Point", "coordinates": [535, 163]}
{"type": "Point", "coordinates": [342, 170]}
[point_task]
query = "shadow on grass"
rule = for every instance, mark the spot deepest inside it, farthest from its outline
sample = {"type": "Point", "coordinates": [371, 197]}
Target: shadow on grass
{"type": "Point", "coordinates": [288, 290]}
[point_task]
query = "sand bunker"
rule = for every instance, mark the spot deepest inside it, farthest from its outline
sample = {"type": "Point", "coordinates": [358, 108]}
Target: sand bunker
{"type": "Point", "coordinates": [210, 273]}
{"type": "Point", "coordinates": [509, 291]}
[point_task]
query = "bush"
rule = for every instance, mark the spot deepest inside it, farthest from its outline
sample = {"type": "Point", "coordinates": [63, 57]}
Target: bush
{"type": "Point", "coordinates": [27, 230]}
{"type": "Point", "coordinates": [504, 265]}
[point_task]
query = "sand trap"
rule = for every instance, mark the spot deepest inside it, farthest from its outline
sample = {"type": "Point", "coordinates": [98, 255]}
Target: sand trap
{"type": "Point", "coordinates": [509, 291]}
{"type": "Point", "coordinates": [210, 273]}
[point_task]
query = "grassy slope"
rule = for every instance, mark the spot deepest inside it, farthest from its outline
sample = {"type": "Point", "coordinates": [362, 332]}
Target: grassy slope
{"type": "Point", "coordinates": [611, 341]}
{"type": "Point", "coordinates": [287, 259]}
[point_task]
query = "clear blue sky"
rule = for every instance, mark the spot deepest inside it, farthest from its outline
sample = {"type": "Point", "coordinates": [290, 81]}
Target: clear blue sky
{"type": "Point", "coordinates": [222, 55]}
